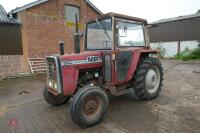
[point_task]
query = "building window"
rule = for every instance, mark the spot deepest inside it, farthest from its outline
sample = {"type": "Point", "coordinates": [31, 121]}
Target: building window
{"type": "Point", "coordinates": [70, 13]}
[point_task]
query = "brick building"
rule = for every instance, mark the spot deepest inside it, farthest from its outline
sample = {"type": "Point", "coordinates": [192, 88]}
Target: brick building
{"type": "Point", "coordinates": [46, 22]}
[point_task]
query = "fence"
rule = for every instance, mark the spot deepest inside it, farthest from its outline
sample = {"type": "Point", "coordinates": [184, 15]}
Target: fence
{"type": "Point", "coordinates": [38, 65]}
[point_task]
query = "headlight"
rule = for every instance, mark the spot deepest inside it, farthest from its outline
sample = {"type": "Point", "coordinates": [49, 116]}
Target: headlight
{"type": "Point", "coordinates": [55, 86]}
{"type": "Point", "coordinates": [50, 83]}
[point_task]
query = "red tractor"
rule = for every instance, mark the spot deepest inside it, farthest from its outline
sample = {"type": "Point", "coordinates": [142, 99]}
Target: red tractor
{"type": "Point", "coordinates": [117, 58]}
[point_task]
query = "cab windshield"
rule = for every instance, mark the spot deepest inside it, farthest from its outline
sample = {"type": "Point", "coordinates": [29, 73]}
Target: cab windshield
{"type": "Point", "coordinates": [99, 35]}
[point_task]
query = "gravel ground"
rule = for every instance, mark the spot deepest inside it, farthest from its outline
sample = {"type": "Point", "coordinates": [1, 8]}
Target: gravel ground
{"type": "Point", "coordinates": [177, 109]}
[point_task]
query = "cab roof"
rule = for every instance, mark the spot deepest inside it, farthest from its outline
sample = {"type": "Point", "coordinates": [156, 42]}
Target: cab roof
{"type": "Point", "coordinates": [117, 15]}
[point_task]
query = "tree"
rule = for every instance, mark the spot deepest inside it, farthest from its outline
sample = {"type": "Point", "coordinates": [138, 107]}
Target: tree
{"type": "Point", "coordinates": [198, 11]}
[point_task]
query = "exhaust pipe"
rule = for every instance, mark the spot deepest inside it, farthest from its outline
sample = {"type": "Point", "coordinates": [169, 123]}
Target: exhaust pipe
{"type": "Point", "coordinates": [62, 51]}
{"type": "Point", "coordinates": [77, 38]}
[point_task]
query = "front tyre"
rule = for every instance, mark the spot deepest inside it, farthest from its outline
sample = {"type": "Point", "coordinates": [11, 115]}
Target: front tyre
{"type": "Point", "coordinates": [148, 79]}
{"type": "Point", "coordinates": [89, 106]}
{"type": "Point", "coordinates": [54, 100]}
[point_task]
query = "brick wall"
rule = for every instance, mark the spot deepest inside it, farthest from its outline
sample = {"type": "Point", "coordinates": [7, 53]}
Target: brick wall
{"type": "Point", "coordinates": [11, 65]}
{"type": "Point", "coordinates": [44, 25]}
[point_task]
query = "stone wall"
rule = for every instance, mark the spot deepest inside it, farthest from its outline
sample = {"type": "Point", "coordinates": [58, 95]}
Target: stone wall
{"type": "Point", "coordinates": [12, 65]}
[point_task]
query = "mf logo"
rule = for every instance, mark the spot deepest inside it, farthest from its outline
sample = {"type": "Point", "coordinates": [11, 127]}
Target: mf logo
{"type": "Point", "coordinates": [93, 58]}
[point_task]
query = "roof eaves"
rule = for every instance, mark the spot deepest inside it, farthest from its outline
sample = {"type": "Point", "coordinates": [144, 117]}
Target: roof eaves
{"type": "Point", "coordinates": [93, 6]}
{"type": "Point", "coordinates": [10, 22]}
{"type": "Point", "coordinates": [4, 18]}
{"type": "Point", "coordinates": [19, 9]}
{"type": "Point", "coordinates": [177, 18]}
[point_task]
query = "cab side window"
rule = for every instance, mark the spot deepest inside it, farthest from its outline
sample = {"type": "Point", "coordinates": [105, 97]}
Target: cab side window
{"type": "Point", "coordinates": [130, 34]}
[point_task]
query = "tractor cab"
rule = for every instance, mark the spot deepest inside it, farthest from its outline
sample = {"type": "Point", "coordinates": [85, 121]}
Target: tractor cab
{"type": "Point", "coordinates": [118, 37]}
{"type": "Point", "coordinates": [117, 58]}
{"type": "Point", "coordinates": [115, 31]}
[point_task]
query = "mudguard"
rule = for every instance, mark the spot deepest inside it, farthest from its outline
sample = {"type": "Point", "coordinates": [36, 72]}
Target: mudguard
{"type": "Point", "coordinates": [136, 54]}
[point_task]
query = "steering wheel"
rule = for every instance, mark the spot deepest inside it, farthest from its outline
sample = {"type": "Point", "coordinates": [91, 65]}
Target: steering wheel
{"type": "Point", "coordinates": [106, 44]}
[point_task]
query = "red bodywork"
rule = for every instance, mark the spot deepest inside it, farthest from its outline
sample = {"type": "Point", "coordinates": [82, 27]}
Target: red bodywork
{"type": "Point", "coordinates": [70, 73]}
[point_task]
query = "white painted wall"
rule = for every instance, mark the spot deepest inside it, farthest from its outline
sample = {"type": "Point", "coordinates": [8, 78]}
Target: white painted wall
{"type": "Point", "coordinates": [171, 47]}
{"type": "Point", "coordinates": [188, 44]}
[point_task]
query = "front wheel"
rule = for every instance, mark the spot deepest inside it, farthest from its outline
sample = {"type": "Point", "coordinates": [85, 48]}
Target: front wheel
{"type": "Point", "coordinates": [148, 79]}
{"type": "Point", "coordinates": [88, 106]}
{"type": "Point", "coordinates": [54, 100]}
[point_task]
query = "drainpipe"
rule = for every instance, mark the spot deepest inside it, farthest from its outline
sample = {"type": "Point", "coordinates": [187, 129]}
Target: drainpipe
{"type": "Point", "coordinates": [178, 47]}
{"type": "Point", "coordinates": [62, 51]}
{"type": "Point", "coordinates": [77, 37]}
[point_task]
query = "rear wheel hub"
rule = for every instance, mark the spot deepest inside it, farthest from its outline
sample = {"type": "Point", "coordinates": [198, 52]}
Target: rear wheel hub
{"type": "Point", "coordinates": [152, 80]}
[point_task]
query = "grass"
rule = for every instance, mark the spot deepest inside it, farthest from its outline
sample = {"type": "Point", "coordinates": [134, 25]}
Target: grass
{"type": "Point", "coordinates": [189, 54]}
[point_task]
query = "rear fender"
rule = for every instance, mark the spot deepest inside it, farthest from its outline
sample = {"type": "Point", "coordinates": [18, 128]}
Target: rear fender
{"type": "Point", "coordinates": [147, 52]}
{"type": "Point", "coordinates": [137, 54]}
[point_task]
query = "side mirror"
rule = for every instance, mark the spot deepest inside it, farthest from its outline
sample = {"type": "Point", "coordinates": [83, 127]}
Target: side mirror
{"type": "Point", "coordinates": [122, 31]}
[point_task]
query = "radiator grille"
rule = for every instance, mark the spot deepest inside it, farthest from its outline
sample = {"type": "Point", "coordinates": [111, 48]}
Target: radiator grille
{"type": "Point", "coordinates": [52, 69]}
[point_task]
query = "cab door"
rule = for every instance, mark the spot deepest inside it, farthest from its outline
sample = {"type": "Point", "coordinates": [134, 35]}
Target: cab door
{"type": "Point", "coordinates": [129, 37]}
{"type": "Point", "coordinates": [123, 62]}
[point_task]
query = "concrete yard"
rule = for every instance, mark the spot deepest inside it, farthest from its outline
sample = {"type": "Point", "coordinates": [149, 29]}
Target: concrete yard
{"type": "Point", "coordinates": [177, 109]}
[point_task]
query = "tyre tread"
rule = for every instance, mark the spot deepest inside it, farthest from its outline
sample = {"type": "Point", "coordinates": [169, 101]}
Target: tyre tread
{"type": "Point", "coordinates": [139, 78]}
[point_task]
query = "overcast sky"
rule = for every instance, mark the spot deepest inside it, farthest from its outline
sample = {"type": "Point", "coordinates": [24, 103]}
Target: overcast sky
{"type": "Point", "coordinates": [151, 10]}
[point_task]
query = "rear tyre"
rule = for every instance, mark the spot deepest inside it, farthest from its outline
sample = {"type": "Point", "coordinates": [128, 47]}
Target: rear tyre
{"type": "Point", "coordinates": [54, 100]}
{"type": "Point", "coordinates": [89, 106]}
{"type": "Point", "coordinates": [148, 79]}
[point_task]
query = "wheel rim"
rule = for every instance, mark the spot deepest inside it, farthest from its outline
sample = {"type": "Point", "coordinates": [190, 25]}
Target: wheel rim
{"type": "Point", "coordinates": [92, 106]}
{"type": "Point", "coordinates": [152, 79]}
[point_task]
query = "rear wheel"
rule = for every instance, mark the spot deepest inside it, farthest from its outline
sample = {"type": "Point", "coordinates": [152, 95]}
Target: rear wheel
{"type": "Point", "coordinates": [89, 106]}
{"type": "Point", "coordinates": [148, 79]}
{"type": "Point", "coordinates": [54, 100]}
